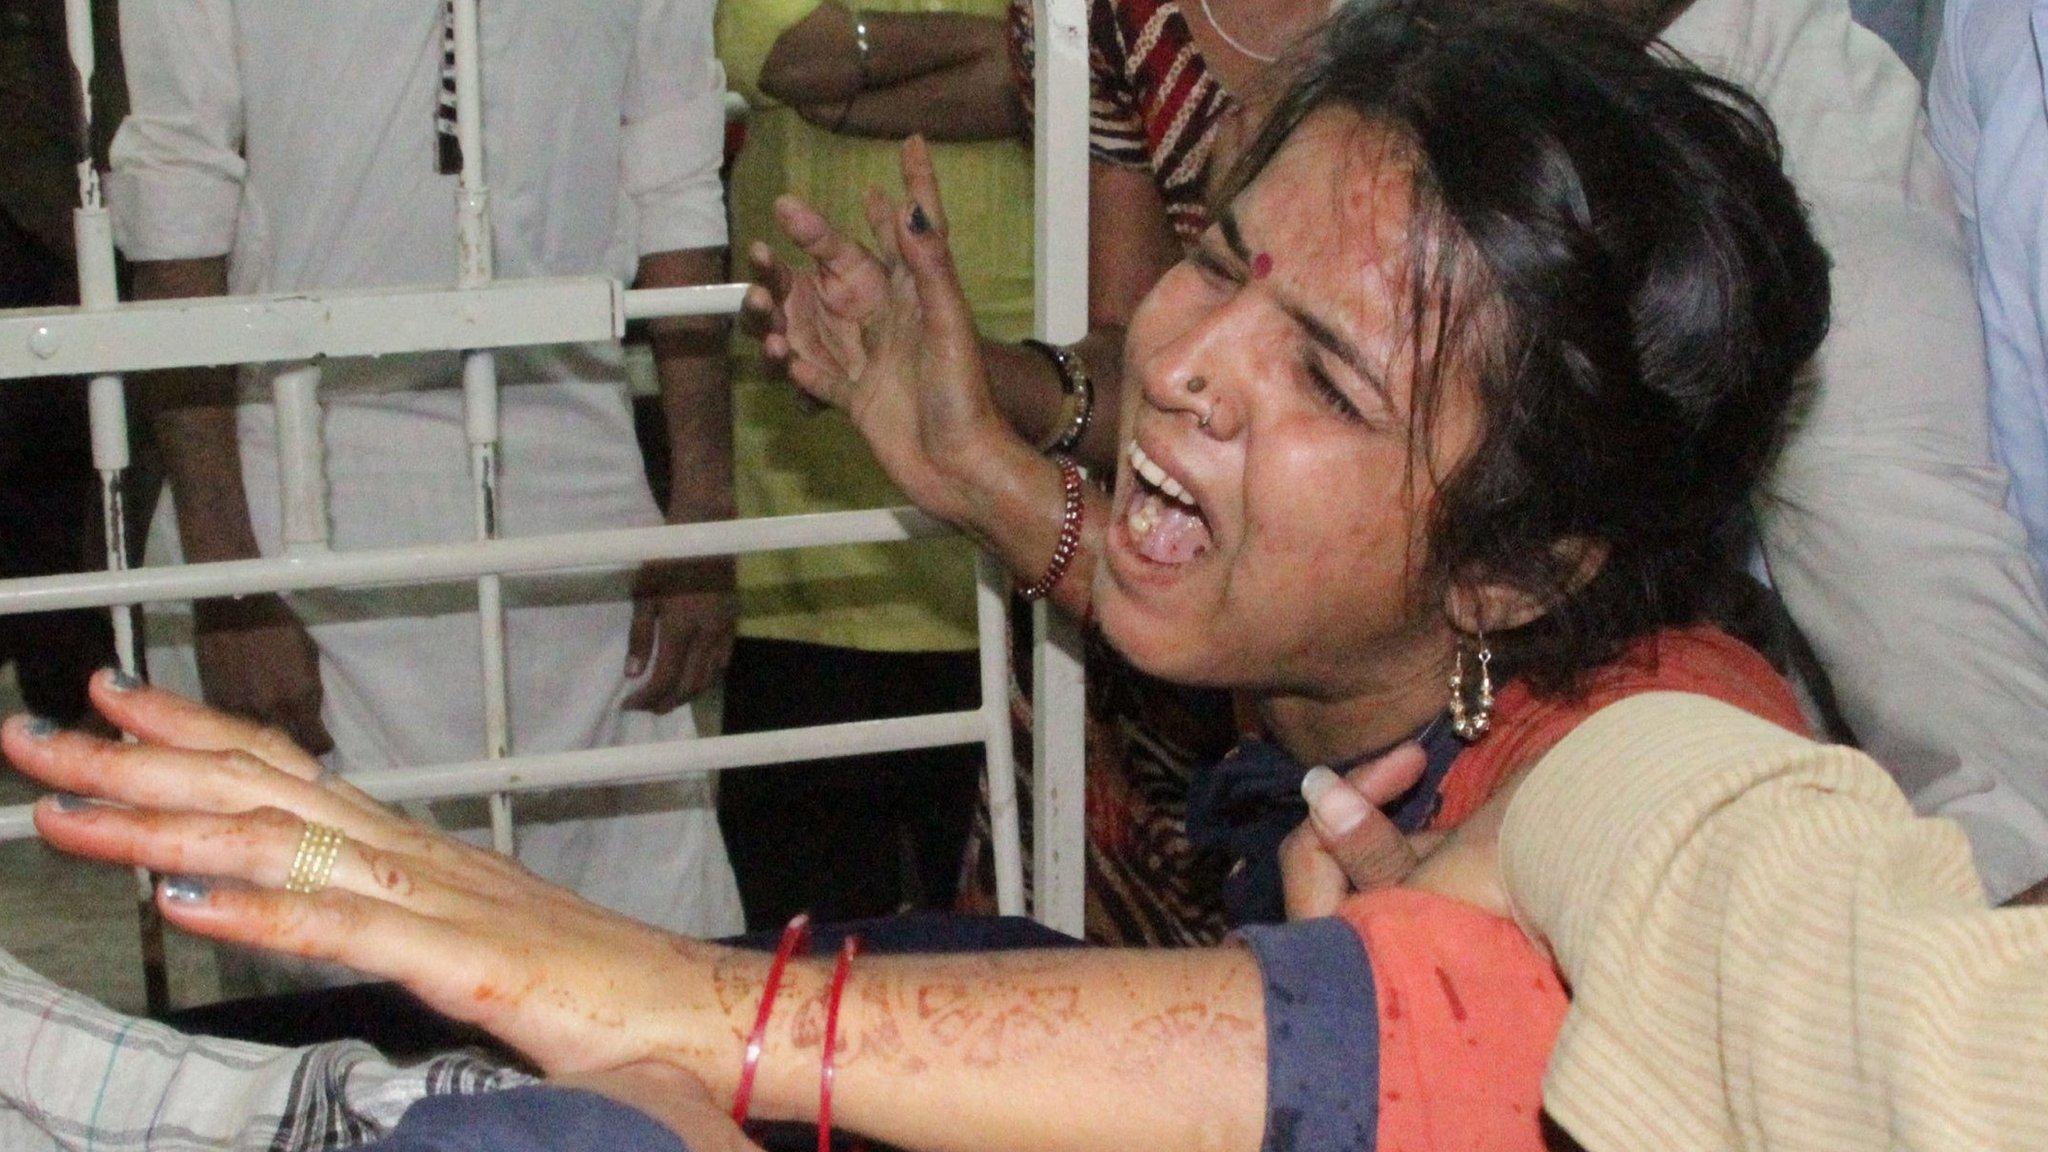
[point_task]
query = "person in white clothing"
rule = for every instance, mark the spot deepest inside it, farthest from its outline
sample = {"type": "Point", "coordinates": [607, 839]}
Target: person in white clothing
{"type": "Point", "coordinates": [276, 147]}
{"type": "Point", "coordinates": [1885, 527]}
{"type": "Point", "coordinates": [1987, 104]}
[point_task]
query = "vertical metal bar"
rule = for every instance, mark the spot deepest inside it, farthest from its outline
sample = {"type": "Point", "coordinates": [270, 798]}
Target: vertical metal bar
{"type": "Point", "coordinates": [480, 402]}
{"type": "Point", "coordinates": [992, 617]}
{"type": "Point", "coordinates": [480, 399]}
{"type": "Point", "coordinates": [107, 409]}
{"type": "Point", "coordinates": [301, 459]}
{"type": "Point", "coordinates": [1059, 766]}
{"type": "Point", "coordinates": [474, 209]}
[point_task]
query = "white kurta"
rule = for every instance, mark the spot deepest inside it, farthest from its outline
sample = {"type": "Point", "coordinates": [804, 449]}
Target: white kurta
{"type": "Point", "coordinates": [297, 138]}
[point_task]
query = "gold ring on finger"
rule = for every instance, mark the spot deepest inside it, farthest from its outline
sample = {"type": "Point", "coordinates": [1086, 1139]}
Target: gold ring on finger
{"type": "Point", "coordinates": [319, 847]}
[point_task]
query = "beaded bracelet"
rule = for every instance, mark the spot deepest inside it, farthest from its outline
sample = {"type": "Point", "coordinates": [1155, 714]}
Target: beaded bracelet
{"type": "Point", "coordinates": [828, 1069]}
{"type": "Point", "coordinates": [1069, 541]}
{"type": "Point", "coordinates": [795, 938]}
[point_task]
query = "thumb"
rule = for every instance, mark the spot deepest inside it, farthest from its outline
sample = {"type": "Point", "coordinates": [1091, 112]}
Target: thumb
{"type": "Point", "coordinates": [1372, 852]}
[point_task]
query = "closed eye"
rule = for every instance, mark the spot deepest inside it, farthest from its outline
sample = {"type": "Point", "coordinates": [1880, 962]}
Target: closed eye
{"type": "Point", "coordinates": [1327, 390]}
{"type": "Point", "coordinates": [1213, 267]}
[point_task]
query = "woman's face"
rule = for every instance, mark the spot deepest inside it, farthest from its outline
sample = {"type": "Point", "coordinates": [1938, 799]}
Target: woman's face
{"type": "Point", "coordinates": [1278, 547]}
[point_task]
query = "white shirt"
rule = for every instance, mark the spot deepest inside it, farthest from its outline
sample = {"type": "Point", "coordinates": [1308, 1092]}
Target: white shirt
{"type": "Point", "coordinates": [1884, 525]}
{"type": "Point", "coordinates": [297, 137]}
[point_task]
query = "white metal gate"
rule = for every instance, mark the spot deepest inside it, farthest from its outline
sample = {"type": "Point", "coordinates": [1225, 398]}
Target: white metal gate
{"type": "Point", "coordinates": [104, 339]}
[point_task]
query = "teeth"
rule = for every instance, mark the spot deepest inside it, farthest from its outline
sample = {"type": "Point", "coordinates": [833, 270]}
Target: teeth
{"type": "Point", "coordinates": [1157, 477]}
{"type": "Point", "coordinates": [1144, 514]}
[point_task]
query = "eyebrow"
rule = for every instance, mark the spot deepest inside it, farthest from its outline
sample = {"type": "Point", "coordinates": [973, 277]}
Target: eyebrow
{"type": "Point", "coordinates": [1329, 338]}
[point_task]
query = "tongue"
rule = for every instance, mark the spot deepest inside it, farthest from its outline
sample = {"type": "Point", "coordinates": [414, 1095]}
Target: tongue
{"type": "Point", "coordinates": [1177, 536]}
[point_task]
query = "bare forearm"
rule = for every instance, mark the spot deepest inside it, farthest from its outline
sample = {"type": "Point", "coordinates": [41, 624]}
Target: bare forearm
{"type": "Point", "coordinates": [973, 101]}
{"type": "Point", "coordinates": [1073, 1050]}
{"type": "Point", "coordinates": [193, 414]}
{"type": "Point", "coordinates": [1028, 393]}
{"type": "Point", "coordinates": [818, 60]}
{"type": "Point", "coordinates": [696, 395]}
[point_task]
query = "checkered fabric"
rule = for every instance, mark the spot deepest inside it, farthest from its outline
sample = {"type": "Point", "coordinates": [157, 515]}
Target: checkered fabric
{"type": "Point", "coordinates": [75, 1075]}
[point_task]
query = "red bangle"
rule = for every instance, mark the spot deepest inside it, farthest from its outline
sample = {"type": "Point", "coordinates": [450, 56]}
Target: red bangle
{"type": "Point", "coordinates": [827, 1068]}
{"type": "Point", "coordinates": [1070, 532]}
{"type": "Point", "coordinates": [795, 938]}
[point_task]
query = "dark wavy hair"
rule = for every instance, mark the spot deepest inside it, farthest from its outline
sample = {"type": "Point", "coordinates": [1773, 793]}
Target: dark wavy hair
{"type": "Point", "coordinates": [1603, 238]}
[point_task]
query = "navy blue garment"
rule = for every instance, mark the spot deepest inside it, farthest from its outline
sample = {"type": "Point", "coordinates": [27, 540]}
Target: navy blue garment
{"type": "Point", "coordinates": [536, 1118]}
{"type": "Point", "coordinates": [1245, 804]}
{"type": "Point", "coordinates": [1322, 1037]}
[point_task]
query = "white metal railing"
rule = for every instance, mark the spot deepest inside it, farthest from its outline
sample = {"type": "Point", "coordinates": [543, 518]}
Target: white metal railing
{"type": "Point", "coordinates": [1060, 134]}
{"type": "Point", "coordinates": [104, 339]}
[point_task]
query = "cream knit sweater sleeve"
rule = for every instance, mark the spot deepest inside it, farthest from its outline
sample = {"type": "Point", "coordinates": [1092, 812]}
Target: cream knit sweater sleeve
{"type": "Point", "coordinates": [1766, 949]}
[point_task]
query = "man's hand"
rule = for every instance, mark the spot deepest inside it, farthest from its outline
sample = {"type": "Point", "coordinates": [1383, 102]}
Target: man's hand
{"type": "Point", "coordinates": [683, 618]}
{"type": "Point", "coordinates": [257, 660]}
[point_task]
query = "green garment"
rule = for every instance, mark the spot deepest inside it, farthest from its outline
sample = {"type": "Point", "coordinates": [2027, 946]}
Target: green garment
{"type": "Point", "coordinates": [789, 460]}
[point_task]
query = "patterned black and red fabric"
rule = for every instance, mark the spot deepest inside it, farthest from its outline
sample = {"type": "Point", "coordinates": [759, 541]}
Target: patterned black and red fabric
{"type": "Point", "coordinates": [1153, 103]}
{"type": "Point", "coordinates": [1147, 885]}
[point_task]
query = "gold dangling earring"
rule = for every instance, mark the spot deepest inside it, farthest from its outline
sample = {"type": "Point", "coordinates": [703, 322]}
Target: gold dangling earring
{"type": "Point", "coordinates": [1471, 719]}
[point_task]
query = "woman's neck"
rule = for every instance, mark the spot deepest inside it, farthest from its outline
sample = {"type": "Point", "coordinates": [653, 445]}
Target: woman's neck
{"type": "Point", "coordinates": [1330, 731]}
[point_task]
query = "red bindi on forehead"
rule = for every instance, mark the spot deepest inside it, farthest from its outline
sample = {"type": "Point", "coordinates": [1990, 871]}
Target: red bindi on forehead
{"type": "Point", "coordinates": [1262, 265]}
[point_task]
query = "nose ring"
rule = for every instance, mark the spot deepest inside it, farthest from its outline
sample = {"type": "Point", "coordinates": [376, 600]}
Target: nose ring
{"type": "Point", "coordinates": [1195, 386]}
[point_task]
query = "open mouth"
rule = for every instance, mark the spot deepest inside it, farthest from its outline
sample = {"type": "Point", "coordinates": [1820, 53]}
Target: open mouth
{"type": "Point", "coordinates": [1165, 522]}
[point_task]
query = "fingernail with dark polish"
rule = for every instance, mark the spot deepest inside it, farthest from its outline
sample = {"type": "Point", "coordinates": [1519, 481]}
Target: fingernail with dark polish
{"type": "Point", "coordinates": [185, 889]}
{"type": "Point", "coordinates": [42, 727]}
{"type": "Point", "coordinates": [73, 802]}
{"type": "Point", "coordinates": [123, 681]}
{"type": "Point", "coordinates": [919, 222]}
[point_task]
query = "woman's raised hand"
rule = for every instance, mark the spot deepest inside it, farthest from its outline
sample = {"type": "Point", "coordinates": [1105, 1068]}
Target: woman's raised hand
{"type": "Point", "coordinates": [221, 806]}
{"type": "Point", "coordinates": [886, 336]}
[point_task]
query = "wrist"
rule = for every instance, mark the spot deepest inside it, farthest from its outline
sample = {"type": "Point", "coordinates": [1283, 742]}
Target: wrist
{"type": "Point", "coordinates": [1076, 405]}
{"type": "Point", "coordinates": [1067, 541]}
{"type": "Point", "coordinates": [785, 1086]}
{"type": "Point", "coordinates": [1014, 506]}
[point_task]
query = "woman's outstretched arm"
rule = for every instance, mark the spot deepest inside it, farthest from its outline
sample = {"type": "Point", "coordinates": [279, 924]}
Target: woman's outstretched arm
{"type": "Point", "coordinates": [1067, 1049]}
{"type": "Point", "coordinates": [1077, 1050]}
